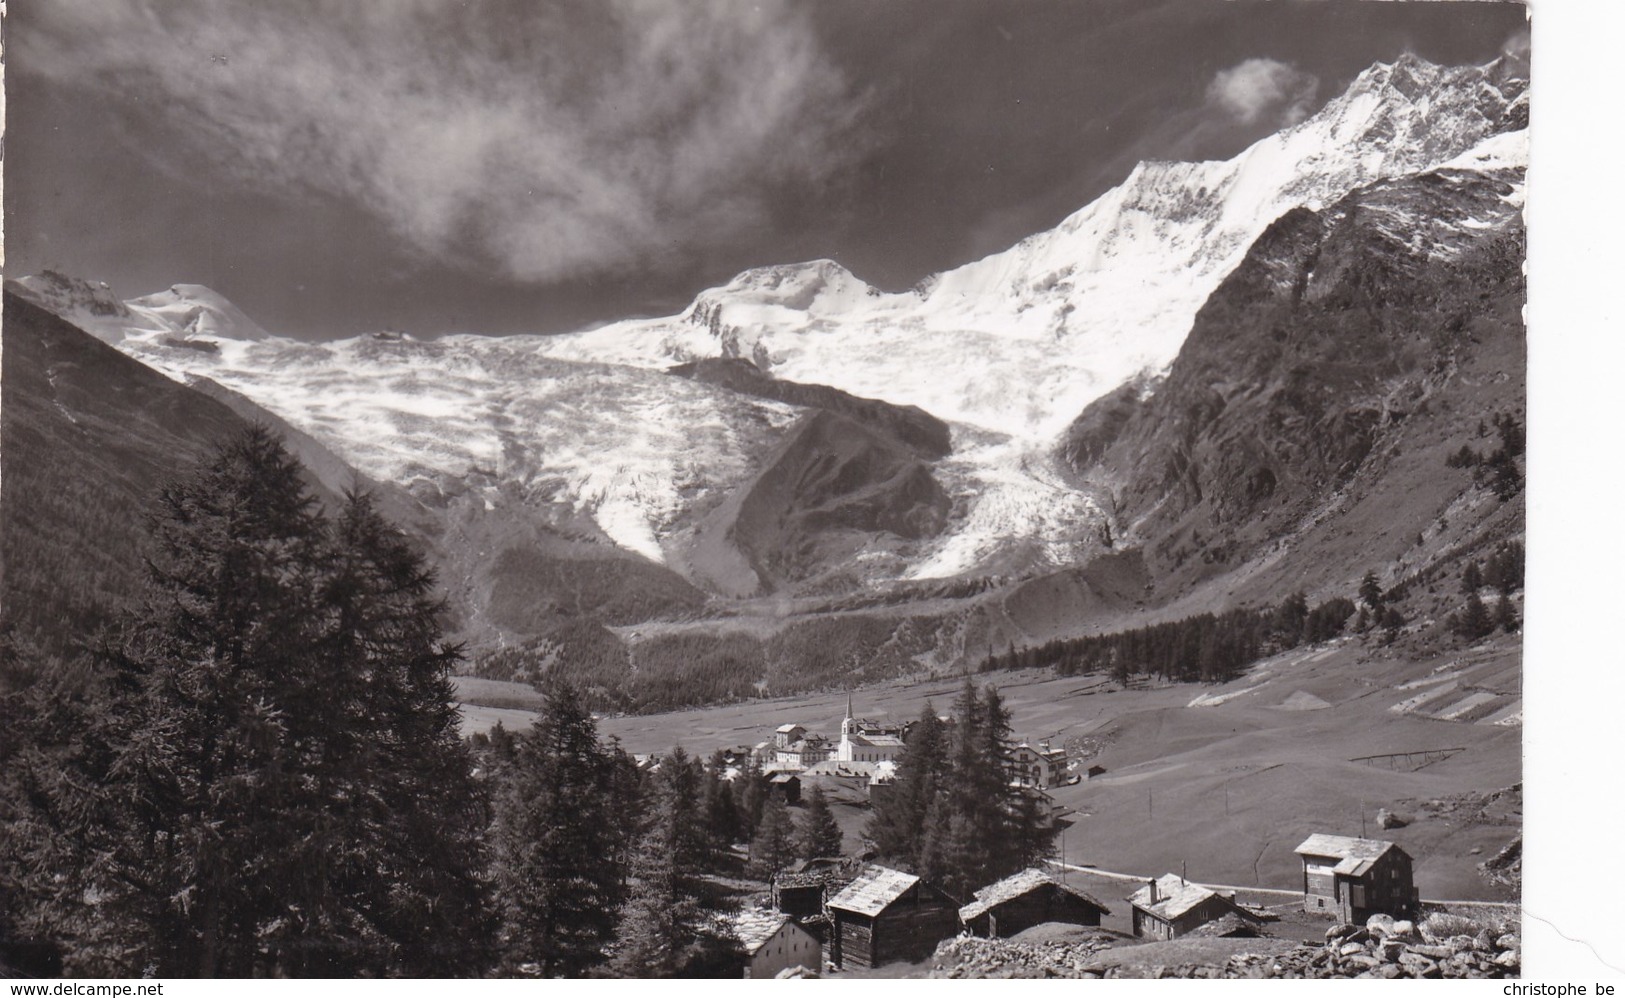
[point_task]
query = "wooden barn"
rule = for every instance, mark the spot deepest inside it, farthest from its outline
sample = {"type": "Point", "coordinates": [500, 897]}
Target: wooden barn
{"type": "Point", "coordinates": [886, 915]}
{"type": "Point", "coordinates": [1352, 879]}
{"type": "Point", "coordinates": [801, 895]}
{"type": "Point", "coordinates": [786, 786]}
{"type": "Point", "coordinates": [1029, 898]}
{"type": "Point", "coordinates": [1170, 907]}
{"type": "Point", "coordinates": [773, 942]}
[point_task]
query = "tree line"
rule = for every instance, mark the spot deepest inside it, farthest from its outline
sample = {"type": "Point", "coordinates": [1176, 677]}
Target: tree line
{"type": "Point", "coordinates": [1202, 648]}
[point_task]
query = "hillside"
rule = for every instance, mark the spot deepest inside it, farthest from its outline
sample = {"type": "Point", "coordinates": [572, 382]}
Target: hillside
{"type": "Point", "coordinates": [87, 435]}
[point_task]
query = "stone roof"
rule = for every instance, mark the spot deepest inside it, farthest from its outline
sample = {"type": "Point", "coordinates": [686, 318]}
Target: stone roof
{"type": "Point", "coordinates": [1015, 886]}
{"type": "Point", "coordinates": [1175, 897]}
{"type": "Point", "coordinates": [874, 890]}
{"type": "Point", "coordinates": [753, 927]}
{"type": "Point", "coordinates": [1354, 856]}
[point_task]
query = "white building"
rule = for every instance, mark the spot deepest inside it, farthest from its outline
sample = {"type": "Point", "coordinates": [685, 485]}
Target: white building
{"type": "Point", "coordinates": [868, 741]}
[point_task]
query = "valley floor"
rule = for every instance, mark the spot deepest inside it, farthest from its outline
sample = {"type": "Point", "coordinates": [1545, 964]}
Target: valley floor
{"type": "Point", "coordinates": [1220, 782]}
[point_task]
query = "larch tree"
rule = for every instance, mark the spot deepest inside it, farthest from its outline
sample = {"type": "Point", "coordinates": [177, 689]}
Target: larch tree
{"type": "Point", "coordinates": [558, 843]}
{"type": "Point", "coordinates": [281, 790]}
{"type": "Point", "coordinates": [819, 833]}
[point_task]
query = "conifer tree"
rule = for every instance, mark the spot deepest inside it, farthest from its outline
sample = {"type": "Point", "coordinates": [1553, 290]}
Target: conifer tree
{"type": "Point", "coordinates": [1474, 621]}
{"type": "Point", "coordinates": [1371, 592]}
{"type": "Point", "coordinates": [281, 789]}
{"type": "Point", "coordinates": [898, 824]}
{"type": "Point", "coordinates": [659, 923]}
{"type": "Point", "coordinates": [819, 833]}
{"type": "Point", "coordinates": [557, 842]}
{"type": "Point", "coordinates": [1506, 618]}
{"type": "Point", "coordinates": [773, 845]}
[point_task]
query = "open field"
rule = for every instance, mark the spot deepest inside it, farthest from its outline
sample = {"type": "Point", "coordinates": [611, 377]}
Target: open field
{"type": "Point", "coordinates": [1225, 780]}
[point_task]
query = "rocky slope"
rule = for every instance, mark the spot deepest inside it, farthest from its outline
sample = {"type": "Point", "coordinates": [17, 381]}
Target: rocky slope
{"type": "Point", "coordinates": [1346, 337]}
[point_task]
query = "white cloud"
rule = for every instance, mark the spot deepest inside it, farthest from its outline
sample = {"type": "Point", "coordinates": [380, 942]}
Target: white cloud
{"type": "Point", "coordinates": [547, 140]}
{"type": "Point", "coordinates": [1264, 90]}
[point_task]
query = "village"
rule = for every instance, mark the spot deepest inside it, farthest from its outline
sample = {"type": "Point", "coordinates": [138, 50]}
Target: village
{"type": "Point", "coordinates": [850, 915]}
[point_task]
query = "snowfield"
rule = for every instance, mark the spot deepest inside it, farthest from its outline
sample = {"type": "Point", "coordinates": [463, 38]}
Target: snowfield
{"type": "Point", "coordinates": [1008, 349]}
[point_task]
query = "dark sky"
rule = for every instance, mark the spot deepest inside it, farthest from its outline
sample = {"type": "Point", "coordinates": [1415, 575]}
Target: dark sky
{"type": "Point", "coordinates": [335, 166]}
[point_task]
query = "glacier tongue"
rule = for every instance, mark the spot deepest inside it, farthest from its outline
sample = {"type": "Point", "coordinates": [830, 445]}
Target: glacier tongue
{"type": "Point", "coordinates": [1008, 349]}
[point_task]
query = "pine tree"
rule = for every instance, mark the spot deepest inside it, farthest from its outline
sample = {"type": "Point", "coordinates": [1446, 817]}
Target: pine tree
{"type": "Point", "coordinates": [659, 923]}
{"type": "Point", "coordinates": [1506, 618]}
{"type": "Point", "coordinates": [773, 845]}
{"type": "Point", "coordinates": [819, 834]}
{"type": "Point", "coordinates": [1474, 621]}
{"type": "Point", "coordinates": [557, 842]}
{"type": "Point", "coordinates": [1472, 580]}
{"type": "Point", "coordinates": [1371, 592]}
{"type": "Point", "coordinates": [898, 822]}
{"type": "Point", "coordinates": [281, 789]}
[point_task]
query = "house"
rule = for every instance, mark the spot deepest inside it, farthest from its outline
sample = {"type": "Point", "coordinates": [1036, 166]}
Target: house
{"type": "Point", "coordinates": [1169, 907]}
{"type": "Point", "coordinates": [886, 915]}
{"type": "Point", "coordinates": [786, 786]}
{"type": "Point", "coordinates": [803, 752]}
{"type": "Point", "coordinates": [1036, 766]}
{"type": "Point", "coordinates": [786, 735]}
{"type": "Point", "coordinates": [1031, 897]}
{"type": "Point", "coordinates": [1352, 879]}
{"type": "Point", "coordinates": [772, 942]}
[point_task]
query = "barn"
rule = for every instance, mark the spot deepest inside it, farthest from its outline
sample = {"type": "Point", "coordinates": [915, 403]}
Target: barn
{"type": "Point", "coordinates": [886, 915]}
{"type": "Point", "coordinates": [1170, 907]}
{"type": "Point", "coordinates": [1352, 879]}
{"type": "Point", "coordinates": [1029, 898]}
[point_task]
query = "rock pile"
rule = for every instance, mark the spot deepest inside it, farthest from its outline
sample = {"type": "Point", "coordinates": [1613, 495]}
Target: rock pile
{"type": "Point", "coordinates": [974, 957]}
{"type": "Point", "coordinates": [1383, 948]}
{"type": "Point", "coordinates": [1391, 949]}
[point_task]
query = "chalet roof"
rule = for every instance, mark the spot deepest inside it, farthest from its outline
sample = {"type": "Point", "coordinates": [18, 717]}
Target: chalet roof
{"type": "Point", "coordinates": [874, 890]}
{"type": "Point", "coordinates": [784, 777]}
{"type": "Point", "coordinates": [1015, 886]}
{"type": "Point", "coordinates": [1175, 897]}
{"type": "Point", "coordinates": [754, 927]}
{"type": "Point", "coordinates": [1354, 856]}
{"type": "Point", "coordinates": [787, 728]}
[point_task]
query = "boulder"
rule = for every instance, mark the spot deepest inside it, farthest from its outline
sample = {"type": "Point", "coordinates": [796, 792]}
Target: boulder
{"type": "Point", "coordinates": [1340, 931]}
{"type": "Point", "coordinates": [1460, 944]}
{"type": "Point", "coordinates": [1388, 819]}
{"type": "Point", "coordinates": [1403, 928]}
{"type": "Point", "coordinates": [1349, 949]}
{"type": "Point", "coordinates": [1380, 924]}
{"type": "Point", "coordinates": [1508, 941]}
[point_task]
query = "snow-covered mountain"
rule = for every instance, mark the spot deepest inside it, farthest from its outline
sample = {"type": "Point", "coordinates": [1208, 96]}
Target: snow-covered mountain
{"type": "Point", "coordinates": [1008, 349]}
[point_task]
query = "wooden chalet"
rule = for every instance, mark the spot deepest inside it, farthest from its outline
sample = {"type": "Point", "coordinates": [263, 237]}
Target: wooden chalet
{"type": "Point", "coordinates": [785, 786]}
{"type": "Point", "coordinates": [1031, 897]}
{"type": "Point", "coordinates": [1169, 907]}
{"type": "Point", "coordinates": [802, 894]}
{"type": "Point", "coordinates": [1352, 879]}
{"type": "Point", "coordinates": [886, 915]}
{"type": "Point", "coordinates": [772, 942]}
